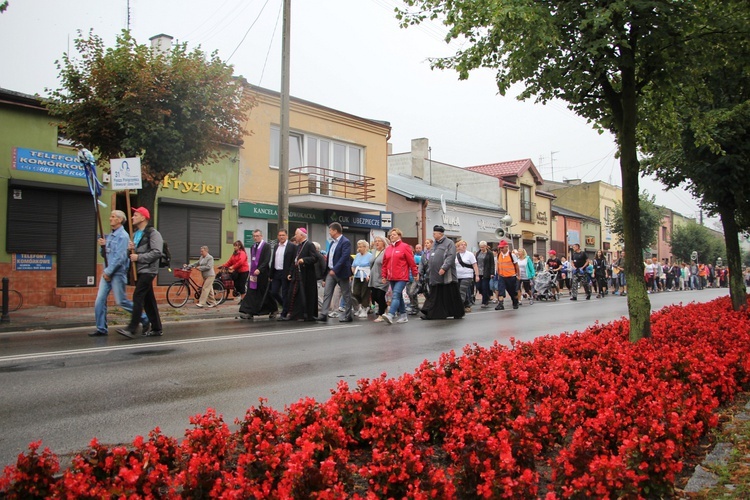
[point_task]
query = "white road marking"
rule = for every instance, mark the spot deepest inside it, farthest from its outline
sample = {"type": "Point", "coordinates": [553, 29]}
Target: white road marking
{"type": "Point", "coordinates": [150, 345]}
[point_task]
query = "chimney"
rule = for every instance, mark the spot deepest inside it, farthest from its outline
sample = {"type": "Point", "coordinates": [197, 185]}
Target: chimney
{"type": "Point", "coordinates": [419, 149]}
{"type": "Point", "coordinates": [161, 43]}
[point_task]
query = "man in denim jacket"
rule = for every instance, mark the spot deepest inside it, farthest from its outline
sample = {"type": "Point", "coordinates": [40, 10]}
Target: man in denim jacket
{"type": "Point", "coordinates": [115, 274]}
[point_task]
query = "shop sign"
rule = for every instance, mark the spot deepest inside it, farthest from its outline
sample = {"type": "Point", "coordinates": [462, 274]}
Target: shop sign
{"type": "Point", "coordinates": [45, 162]}
{"type": "Point", "coordinates": [452, 221]}
{"type": "Point", "coordinates": [352, 219]}
{"type": "Point", "coordinates": [541, 217]}
{"type": "Point", "coordinates": [485, 224]}
{"type": "Point", "coordinates": [265, 211]}
{"type": "Point", "coordinates": [590, 241]}
{"type": "Point", "coordinates": [200, 187]}
{"type": "Point", "coordinates": [32, 262]}
{"type": "Point", "coordinates": [386, 220]}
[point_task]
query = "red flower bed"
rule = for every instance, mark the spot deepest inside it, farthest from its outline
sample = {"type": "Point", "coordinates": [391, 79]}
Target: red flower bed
{"type": "Point", "coordinates": [582, 415]}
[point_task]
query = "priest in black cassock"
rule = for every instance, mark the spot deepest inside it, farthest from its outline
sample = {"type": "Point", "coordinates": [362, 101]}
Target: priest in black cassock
{"type": "Point", "coordinates": [258, 300]}
{"type": "Point", "coordinates": [303, 289]}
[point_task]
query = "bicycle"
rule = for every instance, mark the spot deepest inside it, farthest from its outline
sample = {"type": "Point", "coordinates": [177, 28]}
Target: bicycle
{"type": "Point", "coordinates": [180, 291]}
{"type": "Point", "coordinates": [15, 300]}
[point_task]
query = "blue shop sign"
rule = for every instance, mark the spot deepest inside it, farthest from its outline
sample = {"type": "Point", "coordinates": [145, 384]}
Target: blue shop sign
{"type": "Point", "coordinates": [32, 262]}
{"type": "Point", "coordinates": [351, 219]}
{"type": "Point", "coordinates": [46, 162]}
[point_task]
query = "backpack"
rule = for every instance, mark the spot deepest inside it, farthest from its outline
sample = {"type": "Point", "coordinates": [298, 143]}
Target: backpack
{"type": "Point", "coordinates": [166, 256]}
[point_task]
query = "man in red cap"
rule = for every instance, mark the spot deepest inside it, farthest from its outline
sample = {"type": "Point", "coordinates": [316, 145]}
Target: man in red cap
{"type": "Point", "coordinates": [507, 273]}
{"type": "Point", "coordinates": [146, 249]}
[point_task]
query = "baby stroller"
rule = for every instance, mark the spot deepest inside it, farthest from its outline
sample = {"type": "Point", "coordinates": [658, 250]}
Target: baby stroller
{"type": "Point", "coordinates": [545, 286]}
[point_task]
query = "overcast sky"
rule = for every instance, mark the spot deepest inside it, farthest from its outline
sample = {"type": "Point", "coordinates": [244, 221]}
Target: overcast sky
{"type": "Point", "coordinates": [349, 55]}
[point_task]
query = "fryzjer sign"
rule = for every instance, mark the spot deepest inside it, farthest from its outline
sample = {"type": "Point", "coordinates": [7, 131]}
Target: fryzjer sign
{"type": "Point", "coordinates": [46, 162]}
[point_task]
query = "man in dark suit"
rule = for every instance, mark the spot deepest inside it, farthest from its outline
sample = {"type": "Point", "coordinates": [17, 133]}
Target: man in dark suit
{"type": "Point", "coordinates": [339, 270]}
{"type": "Point", "coordinates": [281, 266]}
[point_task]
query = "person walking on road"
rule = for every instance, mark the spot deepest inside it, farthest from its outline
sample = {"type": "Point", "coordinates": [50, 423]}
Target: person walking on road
{"type": "Point", "coordinates": [115, 275]}
{"type": "Point", "coordinates": [467, 273]}
{"type": "Point", "coordinates": [338, 272]}
{"type": "Point", "coordinates": [206, 266]}
{"type": "Point", "coordinates": [281, 268]}
{"type": "Point", "coordinates": [378, 286]}
{"type": "Point", "coordinates": [444, 298]}
{"type": "Point", "coordinates": [303, 280]}
{"type": "Point", "coordinates": [397, 262]}
{"type": "Point", "coordinates": [146, 249]}
{"type": "Point", "coordinates": [258, 301]}
{"type": "Point", "coordinates": [361, 270]}
{"type": "Point", "coordinates": [579, 261]}
{"type": "Point", "coordinates": [600, 274]}
{"type": "Point", "coordinates": [486, 266]}
{"type": "Point", "coordinates": [239, 269]}
{"type": "Point", "coordinates": [507, 272]}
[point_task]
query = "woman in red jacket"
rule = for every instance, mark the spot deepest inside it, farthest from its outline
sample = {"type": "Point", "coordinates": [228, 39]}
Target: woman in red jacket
{"type": "Point", "coordinates": [240, 269]}
{"type": "Point", "coordinates": [398, 260]}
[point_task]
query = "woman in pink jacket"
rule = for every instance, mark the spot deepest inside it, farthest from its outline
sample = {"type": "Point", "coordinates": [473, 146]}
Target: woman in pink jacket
{"type": "Point", "coordinates": [398, 261]}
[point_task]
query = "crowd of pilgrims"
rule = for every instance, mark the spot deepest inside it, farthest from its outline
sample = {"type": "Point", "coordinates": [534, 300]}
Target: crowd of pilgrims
{"type": "Point", "coordinates": [439, 279]}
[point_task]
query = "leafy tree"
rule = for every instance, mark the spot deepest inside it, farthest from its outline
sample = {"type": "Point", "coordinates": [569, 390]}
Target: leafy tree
{"type": "Point", "coordinates": [3, 6]}
{"type": "Point", "coordinates": [600, 56]}
{"type": "Point", "coordinates": [693, 237]}
{"type": "Point", "coordinates": [648, 226]}
{"type": "Point", "coordinates": [746, 258]}
{"type": "Point", "coordinates": [708, 152]}
{"type": "Point", "coordinates": [174, 109]}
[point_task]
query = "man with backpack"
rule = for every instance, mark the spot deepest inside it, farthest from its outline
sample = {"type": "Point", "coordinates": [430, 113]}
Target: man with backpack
{"type": "Point", "coordinates": [146, 251]}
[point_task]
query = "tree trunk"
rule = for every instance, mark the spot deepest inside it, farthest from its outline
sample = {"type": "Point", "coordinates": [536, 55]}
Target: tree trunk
{"type": "Point", "coordinates": [639, 306]}
{"type": "Point", "coordinates": [734, 259]}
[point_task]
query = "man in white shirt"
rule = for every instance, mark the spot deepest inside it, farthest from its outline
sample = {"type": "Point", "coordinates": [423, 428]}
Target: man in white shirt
{"type": "Point", "coordinates": [281, 265]}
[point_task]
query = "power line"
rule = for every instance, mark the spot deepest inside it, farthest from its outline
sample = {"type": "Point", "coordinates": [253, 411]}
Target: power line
{"type": "Point", "coordinates": [248, 31]}
{"type": "Point", "coordinates": [270, 44]}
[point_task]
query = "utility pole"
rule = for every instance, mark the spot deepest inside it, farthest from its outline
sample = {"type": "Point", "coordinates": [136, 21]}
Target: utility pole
{"type": "Point", "coordinates": [429, 154]}
{"type": "Point", "coordinates": [552, 163]}
{"type": "Point", "coordinates": [283, 209]}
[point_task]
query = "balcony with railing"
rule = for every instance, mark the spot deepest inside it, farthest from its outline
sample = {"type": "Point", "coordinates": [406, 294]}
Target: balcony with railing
{"type": "Point", "coordinates": [316, 187]}
{"type": "Point", "coordinates": [527, 210]}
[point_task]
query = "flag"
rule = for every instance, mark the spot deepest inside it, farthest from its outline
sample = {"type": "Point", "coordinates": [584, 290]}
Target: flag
{"type": "Point", "coordinates": [89, 165]}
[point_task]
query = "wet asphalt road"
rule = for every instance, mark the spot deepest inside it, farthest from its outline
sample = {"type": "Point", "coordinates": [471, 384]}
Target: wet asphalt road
{"type": "Point", "coordinates": [65, 388]}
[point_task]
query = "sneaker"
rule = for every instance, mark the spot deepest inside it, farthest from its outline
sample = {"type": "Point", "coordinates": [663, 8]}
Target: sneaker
{"type": "Point", "coordinates": [598, 295]}
{"type": "Point", "coordinates": [467, 309]}
{"type": "Point", "coordinates": [97, 333]}
{"type": "Point", "coordinates": [198, 305]}
{"type": "Point", "coordinates": [499, 307]}
{"type": "Point", "coordinates": [379, 319]}
{"type": "Point", "coordinates": [515, 306]}
{"type": "Point", "coordinates": [153, 333]}
{"type": "Point", "coordinates": [126, 333]}
{"type": "Point", "coordinates": [212, 305]}
{"type": "Point", "coordinates": [362, 313]}
{"type": "Point", "coordinates": [484, 306]}
{"type": "Point", "coordinates": [333, 314]}
{"type": "Point", "coordinates": [387, 318]}
{"type": "Point", "coordinates": [574, 298]}
{"type": "Point", "coordinates": [403, 319]}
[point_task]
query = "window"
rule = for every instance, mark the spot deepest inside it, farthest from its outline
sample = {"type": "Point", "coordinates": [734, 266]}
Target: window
{"type": "Point", "coordinates": [664, 233]}
{"type": "Point", "coordinates": [526, 205]}
{"type": "Point", "coordinates": [295, 149]}
{"type": "Point", "coordinates": [307, 150]}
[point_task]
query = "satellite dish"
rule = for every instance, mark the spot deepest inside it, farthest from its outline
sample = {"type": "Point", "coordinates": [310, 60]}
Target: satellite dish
{"type": "Point", "coordinates": [443, 207]}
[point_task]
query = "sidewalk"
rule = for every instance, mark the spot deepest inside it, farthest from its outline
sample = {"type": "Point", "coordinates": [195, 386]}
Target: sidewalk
{"type": "Point", "coordinates": [53, 318]}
